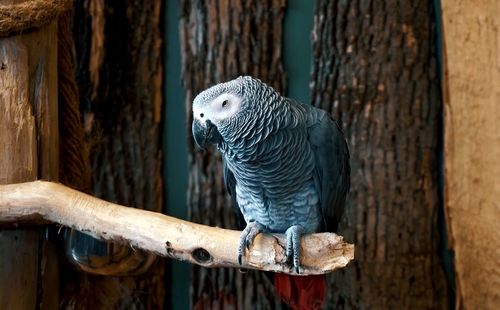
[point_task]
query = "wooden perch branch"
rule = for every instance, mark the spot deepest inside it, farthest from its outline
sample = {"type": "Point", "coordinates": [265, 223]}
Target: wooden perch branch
{"type": "Point", "coordinates": [164, 235]}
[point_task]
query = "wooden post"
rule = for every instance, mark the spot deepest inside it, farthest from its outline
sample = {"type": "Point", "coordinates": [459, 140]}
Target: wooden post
{"type": "Point", "coordinates": [29, 150]}
{"type": "Point", "coordinates": [472, 148]}
{"type": "Point", "coordinates": [374, 69]}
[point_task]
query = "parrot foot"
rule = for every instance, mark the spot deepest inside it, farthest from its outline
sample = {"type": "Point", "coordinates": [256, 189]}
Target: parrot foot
{"type": "Point", "coordinates": [293, 235]}
{"type": "Point", "coordinates": [247, 236]}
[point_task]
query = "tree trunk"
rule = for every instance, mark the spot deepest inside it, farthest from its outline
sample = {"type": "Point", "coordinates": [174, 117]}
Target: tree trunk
{"type": "Point", "coordinates": [221, 40]}
{"type": "Point", "coordinates": [471, 33]}
{"type": "Point", "coordinates": [374, 69]}
{"type": "Point", "coordinates": [30, 150]}
{"type": "Point", "coordinates": [119, 72]}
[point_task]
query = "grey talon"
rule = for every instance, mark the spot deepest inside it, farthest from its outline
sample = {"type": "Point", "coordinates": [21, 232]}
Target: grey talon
{"type": "Point", "coordinates": [247, 237]}
{"type": "Point", "coordinates": [293, 235]}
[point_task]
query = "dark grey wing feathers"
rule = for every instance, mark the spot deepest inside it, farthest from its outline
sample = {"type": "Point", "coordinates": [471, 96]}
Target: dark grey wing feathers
{"type": "Point", "coordinates": [332, 172]}
{"type": "Point", "coordinates": [230, 183]}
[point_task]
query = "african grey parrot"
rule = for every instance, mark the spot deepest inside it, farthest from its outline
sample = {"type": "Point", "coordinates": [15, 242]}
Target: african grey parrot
{"type": "Point", "coordinates": [286, 164]}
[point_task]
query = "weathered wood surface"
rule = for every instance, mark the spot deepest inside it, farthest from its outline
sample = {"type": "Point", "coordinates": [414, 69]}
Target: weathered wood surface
{"type": "Point", "coordinates": [120, 76]}
{"type": "Point", "coordinates": [29, 140]}
{"type": "Point", "coordinates": [472, 148]}
{"type": "Point", "coordinates": [221, 40]}
{"type": "Point", "coordinates": [164, 235]}
{"type": "Point", "coordinates": [374, 69]}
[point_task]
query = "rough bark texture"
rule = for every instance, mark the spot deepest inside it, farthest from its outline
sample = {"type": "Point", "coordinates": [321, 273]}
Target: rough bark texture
{"type": "Point", "coordinates": [472, 150]}
{"type": "Point", "coordinates": [29, 140]}
{"type": "Point", "coordinates": [119, 72]}
{"type": "Point", "coordinates": [374, 69]}
{"type": "Point", "coordinates": [221, 40]}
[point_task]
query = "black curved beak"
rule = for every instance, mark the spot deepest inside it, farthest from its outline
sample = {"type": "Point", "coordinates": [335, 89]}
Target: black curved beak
{"type": "Point", "coordinates": [207, 134]}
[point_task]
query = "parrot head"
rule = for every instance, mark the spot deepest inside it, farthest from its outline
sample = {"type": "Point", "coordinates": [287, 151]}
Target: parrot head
{"type": "Point", "coordinates": [216, 109]}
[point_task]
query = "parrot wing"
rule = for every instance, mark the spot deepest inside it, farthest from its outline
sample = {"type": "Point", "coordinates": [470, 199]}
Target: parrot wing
{"type": "Point", "coordinates": [230, 183]}
{"type": "Point", "coordinates": [332, 171]}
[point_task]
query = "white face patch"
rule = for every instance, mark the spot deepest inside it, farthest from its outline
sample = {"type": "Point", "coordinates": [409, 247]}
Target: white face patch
{"type": "Point", "coordinates": [217, 110]}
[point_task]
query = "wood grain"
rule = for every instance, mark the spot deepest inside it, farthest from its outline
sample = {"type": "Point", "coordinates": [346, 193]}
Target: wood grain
{"type": "Point", "coordinates": [472, 148]}
{"type": "Point", "coordinates": [165, 235]}
{"type": "Point", "coordinates": [29, 139]}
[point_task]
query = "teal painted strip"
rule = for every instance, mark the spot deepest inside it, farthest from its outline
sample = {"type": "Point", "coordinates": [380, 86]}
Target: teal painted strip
{"type": "Point", "coordinates": [175, 168]}
{"type": "Point", "coordinates": [297, 48]}
{"type": "Point", "coordinates": [446, 253]}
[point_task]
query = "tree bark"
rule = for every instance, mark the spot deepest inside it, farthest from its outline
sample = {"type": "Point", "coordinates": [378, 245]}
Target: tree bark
{"type": "Point", "coordinates": [221, 40]}
{"type": "Point", "coordinates": [374, 69]}
{"type": "Point", "coordinates": [30, 143]}
{"type": "Point", "coordinates": [119, 73]}
{"type": "Point", "coordinates": [472, 150]}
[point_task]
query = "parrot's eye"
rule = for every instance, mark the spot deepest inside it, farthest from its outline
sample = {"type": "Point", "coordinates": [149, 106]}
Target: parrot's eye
{"type": "Point", "coordinates": [201, 115]}
{"type": "Point", "coordinates": [224, 103]}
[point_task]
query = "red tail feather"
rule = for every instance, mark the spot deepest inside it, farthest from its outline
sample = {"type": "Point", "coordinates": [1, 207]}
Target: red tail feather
{"type": "Point", "coordinates": [301, 292]}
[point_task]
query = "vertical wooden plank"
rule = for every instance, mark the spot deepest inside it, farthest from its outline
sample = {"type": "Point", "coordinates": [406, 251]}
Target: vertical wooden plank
{"type": "Point", "coordinates": [29, 134]}
{"type": "Point", "coordinates": [472, 147]}
{"type": "Point", "coordinates": [42, 46]}
{"type": "Point", "coordinates": [18, 163]}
